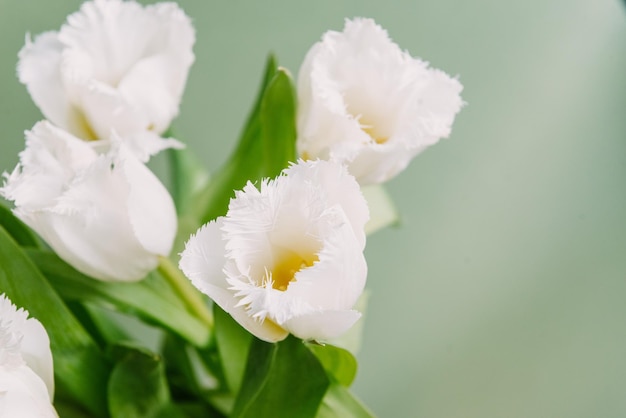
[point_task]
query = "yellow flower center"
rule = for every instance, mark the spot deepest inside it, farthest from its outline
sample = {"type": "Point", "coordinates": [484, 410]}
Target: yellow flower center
{"type": "Point", "coordinates": [372, 132]}
{"type": "Point", "coordinates": [83, 124]}
{"type": "Point", "coordinates": [286, 267]}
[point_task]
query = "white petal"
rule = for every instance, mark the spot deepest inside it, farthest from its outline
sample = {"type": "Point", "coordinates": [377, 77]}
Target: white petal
{"type": "Point", "coordinates": [90, 226]}
{"type": "Point", "coordinates": [26, 369]}
{"type": "Point", "coordinates": [106, 109]}
{"type": "Point", "coordinates": [24, 394]}
{"type": "Point", "coordinates": [145, 144]}
{"type": "Point", "coordinates": [202, 261]}
{"type": "Point", "coordinates": [142, 53]}
{"type": "Point", "coordinates": [46, 166]}
{"type": "Point", "coordinates": [203, 258]}
{"type": "Point", "coordinates": [286, 253]}
{"type": "Point", "coordinates": [336, 281]}
{"type": "Point", "coordinates": [146, 86]}
{"type": "Point", "coordinates": [39, 69]}
{"type": "Point", "coordinates": [36, 352]}
{"type": "Point", "coordinates": [150, 206]}
{"type": "Point", "coordinates": [338, 187]}
{"type": "Point", "coordinates": [322, 325]}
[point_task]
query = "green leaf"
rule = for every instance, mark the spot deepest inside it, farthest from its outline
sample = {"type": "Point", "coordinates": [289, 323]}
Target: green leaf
{"type": "Point", "coordinates": [151, 299]}
{"type": "Point", "coordinates": [188, 178]}
{"type": "Point", "coordinates": [339, 402]}
{"type": "Point", "coordinates": [21, 233]}
{"type": "Point", "coordinates": [278, 124]}
{"type": "Point", "coordinates": [243, 164]}
{"type": "Point", "coordinates": [80, 368]}
{"type": "Point", "coordinates": [186, 370]}
{"type": "Point", "coordinates": [383, 212]}
{"type": "Point", "coordinates": [69, 410]}
{"type": "Point", "coordinates": [265, 148]}
{"type": "Point", "coordinates": [340, 364]}
{"type": "Point", "coordinates": [137, 387]}
{"type": "Point", "coordinates": [282, 380]}
{"type": "Point", "coordinates": [101, 329]}
{"type": "Point", "coordinates": [233, 344]}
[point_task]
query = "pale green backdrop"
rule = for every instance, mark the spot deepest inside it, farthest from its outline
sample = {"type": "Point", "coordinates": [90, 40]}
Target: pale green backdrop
{"type": "Point", "coordinates": [503, 293]}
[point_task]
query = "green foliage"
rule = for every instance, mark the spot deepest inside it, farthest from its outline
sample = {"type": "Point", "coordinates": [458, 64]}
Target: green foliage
{"type": "Point", "coordinates": [265, 147]}
{"type": "Point", "coordinates": [22, 234]}
{"type": "Point", "coordinates": [383, 212]}
{"type": "Point", "coordinates": [81, 370]}
{"type": "Point", "coordinates": [151, 299]}
{"type": "Point", "coordinates": [137, 387]}
{"type": "Point", "coordinates": [278, 124]}
{"type": "Point", "coordinates": [340, 403]}
{"type": "Point", "coordinates": [340, 364]}
{"type": "Point", "coordinates": [233, 344]}
{"type": "Point", "coordinates": [187, 178]}
{"type": "Point", "coordinates": [282, 380]}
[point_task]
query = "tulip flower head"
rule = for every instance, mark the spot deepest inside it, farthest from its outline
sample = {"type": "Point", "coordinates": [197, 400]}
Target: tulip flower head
{"type": "Point", "coordinates": [366, 103]}
{"type": "Point", "coordinates": [114, 65]}
{"type": "Point", "coordinates": [26, 370]}
{"type": "Point", "coordinates": [287, 257]}
{"type": "Point", "coordinates": [107, 214]}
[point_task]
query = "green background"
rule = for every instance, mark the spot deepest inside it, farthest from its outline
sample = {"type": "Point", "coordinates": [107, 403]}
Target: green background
{"type": "Point", "coordinates": [503, 293]}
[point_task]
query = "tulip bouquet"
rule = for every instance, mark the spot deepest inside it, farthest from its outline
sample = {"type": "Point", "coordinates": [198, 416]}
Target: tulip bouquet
{"type": "Point", "coordinates": [235, 294]}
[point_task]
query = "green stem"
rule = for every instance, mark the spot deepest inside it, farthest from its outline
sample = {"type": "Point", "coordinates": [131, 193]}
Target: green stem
{"type": "Point", "coordinates": [185, 290]}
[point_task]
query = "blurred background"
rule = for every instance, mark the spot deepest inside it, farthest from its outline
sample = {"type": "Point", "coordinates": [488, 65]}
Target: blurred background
{"type": "Point", "coordinates": [503, 291]}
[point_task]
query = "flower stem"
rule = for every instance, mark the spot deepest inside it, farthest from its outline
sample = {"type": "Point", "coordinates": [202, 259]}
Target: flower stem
{"type": "Point", "coordinates": [185, 290]}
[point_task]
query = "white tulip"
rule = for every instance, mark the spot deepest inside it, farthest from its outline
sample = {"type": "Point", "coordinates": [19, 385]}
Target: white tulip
{"type": "Point", "coordinates": [106, 215]}
{"type": "Point", "coordinates": [26, 370]}
{"type": "Point", "coordinates": [288, 257]}
{"type": "Point", "coordinates": [366, 103]}
{"type": "Point", "coordinates": [114, 65]}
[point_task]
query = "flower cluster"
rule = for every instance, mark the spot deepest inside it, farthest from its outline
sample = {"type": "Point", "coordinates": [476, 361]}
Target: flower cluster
{"type": "Point", "coordinates": [286, 256]}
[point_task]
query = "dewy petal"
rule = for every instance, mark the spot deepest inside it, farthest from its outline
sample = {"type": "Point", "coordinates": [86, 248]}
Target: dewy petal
{"type": "Point", "coordinates": [366, 103]}
{"type": "Point", "coordinates": [202, 261]}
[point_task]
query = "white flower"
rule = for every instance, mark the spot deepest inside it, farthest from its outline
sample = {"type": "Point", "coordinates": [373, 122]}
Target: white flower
{"type": "Point", "coordinates": [26, 371]}
{"type": "Point", "coordinates": [287, 258]}
{"type": "Point", "coordinates": [114, 65]}
{"type": "Point", "coordinates": [366, 103]}
{"type": "Point", "coordinates": [107, 215]}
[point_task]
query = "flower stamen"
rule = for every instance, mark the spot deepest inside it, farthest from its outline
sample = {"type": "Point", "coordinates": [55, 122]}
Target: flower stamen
{"type": "Point", "coordinates": [284, 271]}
